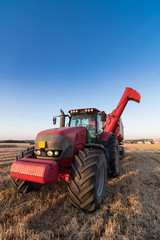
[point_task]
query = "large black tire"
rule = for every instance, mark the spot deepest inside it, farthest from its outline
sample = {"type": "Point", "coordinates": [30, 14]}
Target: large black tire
{"type": "Point", "coordinates": [22, 186]}
{"type": "Point", "coordinates": [114, 157]}
{"type": "Point", "coordinates": [88, 179]}
{"type": "Point", "coordinates": [121, 152]}
{"type": "Point", "coordinates": [27, 153]}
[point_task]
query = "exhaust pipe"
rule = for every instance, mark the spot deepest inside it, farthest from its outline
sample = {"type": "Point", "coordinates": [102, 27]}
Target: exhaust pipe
{"type": "Point", "coordinates": [62, 121]}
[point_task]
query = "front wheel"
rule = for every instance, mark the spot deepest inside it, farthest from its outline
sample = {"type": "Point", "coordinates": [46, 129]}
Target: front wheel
{"type": "Point", "coordinates": [88, 179]}
{"type": "Point", "coordinates": [22, 186]}
{"type": "Point", "coordinates": [121, 152]}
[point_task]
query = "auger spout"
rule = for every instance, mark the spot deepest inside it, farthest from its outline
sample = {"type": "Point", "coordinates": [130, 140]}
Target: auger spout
{"type": "Point", "coordinates": [114, 116]}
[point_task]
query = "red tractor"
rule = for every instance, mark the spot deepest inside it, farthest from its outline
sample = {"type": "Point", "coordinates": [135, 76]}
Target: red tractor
{"type": "Point", "coordinates": [84, 154]}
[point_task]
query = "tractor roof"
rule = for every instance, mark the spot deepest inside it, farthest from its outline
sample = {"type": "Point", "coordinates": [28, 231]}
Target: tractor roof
{"type": "Point", "coordinates": [84, 110]}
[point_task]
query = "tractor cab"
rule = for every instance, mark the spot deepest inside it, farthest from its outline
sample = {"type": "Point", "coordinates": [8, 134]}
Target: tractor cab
{"type": "Point", "coordinates": [91, 119]}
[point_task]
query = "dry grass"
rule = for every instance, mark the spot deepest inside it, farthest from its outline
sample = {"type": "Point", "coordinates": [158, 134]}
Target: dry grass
{"type": "Point", "coordinates": [130, 210]}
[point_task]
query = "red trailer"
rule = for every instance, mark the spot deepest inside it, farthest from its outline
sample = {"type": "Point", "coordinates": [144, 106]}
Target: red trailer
{"type": "Point", "coordinates": [84, 154]}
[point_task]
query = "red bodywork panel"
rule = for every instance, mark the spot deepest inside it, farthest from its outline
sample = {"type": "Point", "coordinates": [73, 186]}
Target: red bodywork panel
{"type": "Point", "coordinates": [105, 136]}
{"type": "Point", "coordinates": [47, 171]}
{"type": "Point", "coordinates": [65, 162]}
{"type": "Point", "coordinates": [76, 134]}
{"type": "Point", "coordinates": [35, 170]}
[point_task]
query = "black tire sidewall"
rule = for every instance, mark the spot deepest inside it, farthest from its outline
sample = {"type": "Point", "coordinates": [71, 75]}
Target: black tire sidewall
{"type": "Point", "coordinates": [101, 161]}
{"type": "Point", "coordinates": [83, 189]}
{"type": "Point", "coordinates": [114, 162]}
{"type": "Point", "coordinates": [117, 161]}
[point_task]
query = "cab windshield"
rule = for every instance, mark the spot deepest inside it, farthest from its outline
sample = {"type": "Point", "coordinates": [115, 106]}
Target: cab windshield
{"type": "Point", "coordinates": [85, 120]}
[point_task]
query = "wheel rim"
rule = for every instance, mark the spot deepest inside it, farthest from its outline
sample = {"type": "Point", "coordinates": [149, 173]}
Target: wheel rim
{"type": "Point", "coordinates": [100, 180]}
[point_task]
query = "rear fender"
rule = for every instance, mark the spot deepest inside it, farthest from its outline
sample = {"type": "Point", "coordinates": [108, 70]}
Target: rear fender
{"type": "Point", "coordinates": [97, 146]}
{"type": "Point", "coordinates": [106, 136]}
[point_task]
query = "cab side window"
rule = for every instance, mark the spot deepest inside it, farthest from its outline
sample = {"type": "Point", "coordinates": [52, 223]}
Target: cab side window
{"type": "Point", "coordinates": [99, 124]}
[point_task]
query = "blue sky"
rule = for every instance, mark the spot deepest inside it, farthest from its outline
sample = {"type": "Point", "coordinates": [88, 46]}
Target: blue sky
{"type": "Point", "coordinates": [74, 54]}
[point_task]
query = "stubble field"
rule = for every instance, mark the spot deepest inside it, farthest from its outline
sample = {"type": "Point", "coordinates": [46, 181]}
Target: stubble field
{"type": "Point", "coordinates": [131, 208]}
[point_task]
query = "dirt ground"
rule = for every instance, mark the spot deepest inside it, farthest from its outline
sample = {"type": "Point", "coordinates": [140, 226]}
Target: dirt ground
{"type": "Point", "coordinates": [131, 208]}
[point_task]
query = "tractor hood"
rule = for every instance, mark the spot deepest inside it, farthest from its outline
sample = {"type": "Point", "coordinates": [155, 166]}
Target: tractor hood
{"type": "Point", "coordinates": [67, 140]}
{"type": "Point", "coordinates": [73, 133]}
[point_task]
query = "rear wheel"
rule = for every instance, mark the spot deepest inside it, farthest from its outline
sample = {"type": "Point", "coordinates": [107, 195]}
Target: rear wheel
{"type": "Point", "coordinates": [113, 156]}
{"type": "Point", "coordinates": [88, 179]}
{"type": "Point", "coordinates": [121, 152]}
{"type": "Point", "coordinates": [22, 186]}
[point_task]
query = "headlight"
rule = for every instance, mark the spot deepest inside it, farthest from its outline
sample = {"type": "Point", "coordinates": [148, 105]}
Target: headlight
{"type": "Point", "coordinates": [56, 153]}
{"type": "Point", "coordinates": [49, 153]}
{"type": "Point", "coordinates": [38, 152]}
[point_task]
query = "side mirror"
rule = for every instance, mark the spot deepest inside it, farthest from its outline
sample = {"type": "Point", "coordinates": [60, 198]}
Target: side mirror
{"type": "Point", "coordinates": [103, 116]}
{"type": "Point", "coordinates": [54, 120]}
